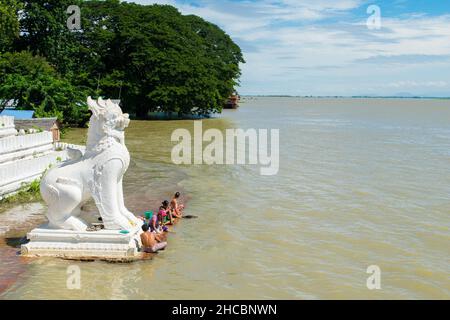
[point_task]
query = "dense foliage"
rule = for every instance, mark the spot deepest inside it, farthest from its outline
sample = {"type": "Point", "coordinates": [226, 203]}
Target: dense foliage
{"type": "Point", "coordinates": [153, 57]}
{"type": "Point", "coordinates": [35, 85]}
{"type": "Point", "coordinates": [9, 24]}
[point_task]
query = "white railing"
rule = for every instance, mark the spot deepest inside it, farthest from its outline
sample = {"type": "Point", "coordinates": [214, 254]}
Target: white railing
{"type": "Point", "coordinates": [7, 127]}
{"type": "Point", "coordinates": [26, 169]}
{"type": "Point", "coordinates": [6, 122]}
{"type": "Point", "coordinates": [29, 141]}
{"type": "Point", "coordinates": [60, 146]}
{"type": "Point", "coordinates": [21, 170]}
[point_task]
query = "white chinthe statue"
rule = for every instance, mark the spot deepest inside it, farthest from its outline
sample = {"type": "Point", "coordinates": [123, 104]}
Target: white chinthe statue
{"type": "Point", "coordinates": [96, 174]}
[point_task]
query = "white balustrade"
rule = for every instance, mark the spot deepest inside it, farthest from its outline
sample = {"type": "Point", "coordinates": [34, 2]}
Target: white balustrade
{"type": "Point", "coordinates": [24, 158]}
{"type": "Point", "coordinates": [29, 141]}
{"type": "Point", "coordinates": [24, 169]}
{"type": "Point", "coordinates": [60, 146]}
{"type": "Point", "coordinates": [6, 122]}
{"type": "Point", "coordinates": [7, 126]}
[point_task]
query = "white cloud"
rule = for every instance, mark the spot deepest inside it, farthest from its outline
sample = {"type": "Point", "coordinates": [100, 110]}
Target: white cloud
{"type": "Point", "coordinates": [318, 47]}
{"type": "Point", "coordinates": [417, 84]}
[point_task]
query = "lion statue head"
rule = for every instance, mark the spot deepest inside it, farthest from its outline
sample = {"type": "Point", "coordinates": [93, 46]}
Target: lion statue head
{"type": "Point", "coordinates": [107, 120]}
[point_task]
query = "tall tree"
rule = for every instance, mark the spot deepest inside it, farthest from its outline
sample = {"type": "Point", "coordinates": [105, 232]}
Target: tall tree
{"type": "Point", "coordinates": [9, 23]}
{"type": "Point", "coordinates": [153, 57]}
{"type": "Point", "coordinates": [44, 32]}
{"type": "Point", "coordinates": [160, 59]}
{"type": "Point", "coordinates": [32, 83]}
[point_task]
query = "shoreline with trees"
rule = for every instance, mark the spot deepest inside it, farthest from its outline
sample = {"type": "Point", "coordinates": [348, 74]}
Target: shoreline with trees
{"type": "Point", "coordinates": [151, 57]}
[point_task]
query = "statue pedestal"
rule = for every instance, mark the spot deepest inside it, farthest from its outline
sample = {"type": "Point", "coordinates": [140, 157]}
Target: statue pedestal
{"type": "Point", "coordinates": [102, 244]}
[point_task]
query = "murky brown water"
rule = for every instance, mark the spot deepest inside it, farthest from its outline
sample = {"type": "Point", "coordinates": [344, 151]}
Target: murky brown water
{"type": "Point", "coordinates": [361, 182]}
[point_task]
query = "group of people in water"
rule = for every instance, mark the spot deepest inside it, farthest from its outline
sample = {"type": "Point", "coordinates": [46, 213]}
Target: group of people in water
{"type": "Point", "coordinates": [155, 225]}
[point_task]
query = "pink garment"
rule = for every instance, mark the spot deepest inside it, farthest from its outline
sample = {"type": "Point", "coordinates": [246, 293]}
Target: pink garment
{"type": "Point", "coordinates": [163, 213]}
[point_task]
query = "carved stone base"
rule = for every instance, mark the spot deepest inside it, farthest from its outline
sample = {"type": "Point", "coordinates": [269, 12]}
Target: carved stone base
{"type": "Point", "coordinates": [103, 244]}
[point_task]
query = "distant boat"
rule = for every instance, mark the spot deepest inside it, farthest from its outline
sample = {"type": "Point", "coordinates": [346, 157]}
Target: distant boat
{"type": "Point", "coordinates": [233, 102]}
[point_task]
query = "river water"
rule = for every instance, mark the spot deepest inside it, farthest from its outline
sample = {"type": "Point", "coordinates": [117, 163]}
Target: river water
{"type": "Point", "coordinates": [361, 182]}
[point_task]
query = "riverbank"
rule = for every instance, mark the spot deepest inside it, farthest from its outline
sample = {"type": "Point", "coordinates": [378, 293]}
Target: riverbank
{"type": "Point", "coordinates": [29, 193]}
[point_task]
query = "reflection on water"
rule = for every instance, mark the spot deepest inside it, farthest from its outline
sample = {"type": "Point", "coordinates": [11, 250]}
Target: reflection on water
{"type": "Point", "coordinates": [361, 182]}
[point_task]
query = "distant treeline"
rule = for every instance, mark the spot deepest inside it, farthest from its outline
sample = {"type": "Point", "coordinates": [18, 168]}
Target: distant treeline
{"type": "Point", "coordinates": [153, 57]}
{"type": "Point", "coordinates": [344, 97]}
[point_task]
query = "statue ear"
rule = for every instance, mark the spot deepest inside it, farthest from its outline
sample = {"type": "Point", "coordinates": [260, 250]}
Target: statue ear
{"type": "Point", "coordinates": [93, 106]}
{"type": "Point", "coordinates": [125, 120]}
{"type": "Point", "coordinates": [101, 103]}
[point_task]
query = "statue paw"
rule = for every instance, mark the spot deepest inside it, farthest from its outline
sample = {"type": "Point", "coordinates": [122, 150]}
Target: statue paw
{"type": "Point", "coordinates": [74, 224]}
{"type": "Point", "coordinates": [132, 218]}
{"type": "Point", "coordinates": [136, 221]}
{"type": "Point", "coordinates": [119, 223]}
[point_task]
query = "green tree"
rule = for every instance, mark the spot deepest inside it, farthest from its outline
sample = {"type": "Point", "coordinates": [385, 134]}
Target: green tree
{"type": "Point", "coordinates": [44, 32]}
{"type": "Point", "coordinates": [158, 58]}
{"type": "Point", "coordinates": [223, 54]}
{"type": "Point", "coordinates": [34, 84]}
{"type": "Point", "coordinates": [153, 57]}
{"type": "Point", "coordinates": [9, 24]}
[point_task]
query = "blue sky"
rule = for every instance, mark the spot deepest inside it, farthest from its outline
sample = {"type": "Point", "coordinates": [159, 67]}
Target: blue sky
{"type": "Point", "coordinates": [324, 47]}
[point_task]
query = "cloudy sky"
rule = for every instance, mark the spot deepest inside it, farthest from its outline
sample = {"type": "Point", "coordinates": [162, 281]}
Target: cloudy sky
{"type": "Point", "coordinates": [327, 47]}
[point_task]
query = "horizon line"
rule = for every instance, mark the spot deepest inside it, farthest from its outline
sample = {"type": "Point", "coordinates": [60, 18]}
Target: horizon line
{"type": "Point", "coordinates": [345, 97]}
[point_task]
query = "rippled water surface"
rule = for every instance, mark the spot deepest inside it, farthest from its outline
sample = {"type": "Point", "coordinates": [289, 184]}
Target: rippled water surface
{"type": "Point", "coordinates": [361, 182]}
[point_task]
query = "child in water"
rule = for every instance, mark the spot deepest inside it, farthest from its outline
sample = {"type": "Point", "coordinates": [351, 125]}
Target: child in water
{"type": "Point", "coordinates": [154, 223]}
{"type": "Point", "coordinates": [162, 215]}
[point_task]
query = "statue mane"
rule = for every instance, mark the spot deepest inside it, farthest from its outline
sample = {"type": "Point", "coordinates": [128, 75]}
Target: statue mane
{"type": "Point", "coordinates": [106, 125]}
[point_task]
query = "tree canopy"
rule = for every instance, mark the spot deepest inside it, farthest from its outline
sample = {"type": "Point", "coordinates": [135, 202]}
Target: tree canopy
{"type": "Point", "coordinates": [9, 24]}
{"type": "Point", "coordinates": [36, 85]}
{"type": "Point", "coordinates": [153, 57]}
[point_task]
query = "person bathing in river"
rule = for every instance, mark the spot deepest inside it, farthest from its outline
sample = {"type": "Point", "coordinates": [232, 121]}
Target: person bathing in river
{"type": "Point", "coordinates": [154, 223]}
{"type": "Point", "coordinates": [175, 208]}
{"type": "Point", "coordinates": [165, 214]}
{"type": "Point", "coordinates": [151, 242]}
{"type": "Point", "coordinates": [162, 216]}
